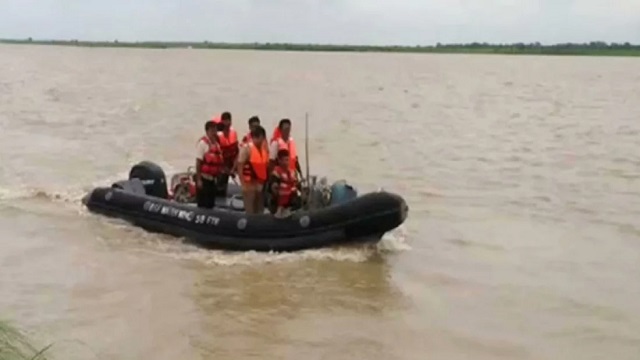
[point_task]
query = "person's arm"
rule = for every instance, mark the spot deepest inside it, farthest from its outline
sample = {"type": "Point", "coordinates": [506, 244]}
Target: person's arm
{"type": "Point", "coordinates": [201, 149]}
{"type": "Point", "coordinates": [198, 174]}
{"type": "Point", "coordinates": [243, 156]}
{"type": "Point", "coordinates": [274, 181]}
{"type": "Point", "coordinates": [273, 155]}
{"type": "Point", "coordinates": [233, 170]}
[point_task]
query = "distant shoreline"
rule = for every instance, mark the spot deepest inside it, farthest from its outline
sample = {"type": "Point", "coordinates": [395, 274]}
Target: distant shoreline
{"type": "Point", "coordinates": [575, 49]}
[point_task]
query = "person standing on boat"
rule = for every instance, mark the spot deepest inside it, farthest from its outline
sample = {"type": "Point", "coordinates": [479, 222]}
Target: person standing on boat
{"type": "Point", "coordinates": [209, 165]}
{"type": "Point", "coordinates": [253, 160]}
{"type": "Point", "coordinates": [228, 139]}
{"type": "Point", "coordinates": [217, 121]}
{"type": "Point", "coordinates": [254, 121]}
{"type": "Point", "coordinates": [282, 140]}
{"type": "Point", "coordinates": [284, 187]}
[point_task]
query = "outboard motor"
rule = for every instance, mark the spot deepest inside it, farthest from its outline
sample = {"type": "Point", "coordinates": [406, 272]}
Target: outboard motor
{"type": "Point", "coordinates": [152, 177]}
{"type": "Point", "coordinates": [342, 192]}
{"type": "Point", "coordinates": [133, 186]}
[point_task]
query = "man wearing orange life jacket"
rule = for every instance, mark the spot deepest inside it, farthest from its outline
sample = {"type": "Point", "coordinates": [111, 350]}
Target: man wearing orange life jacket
{"type": "Point", "coordinates": [284, 187]}
{"type": "Point", "coordinates": [228, 139]}
{"type": "Point", "coordinates": [254, 121]}
{"type": "Point", "coordinates": [253, 161]}
{"type": "Point", "coordinates": [209, 165]}
{"type": "Point", "coordinates": [282, 140]}
{"type": "Point", "coordinates": [217, 120]}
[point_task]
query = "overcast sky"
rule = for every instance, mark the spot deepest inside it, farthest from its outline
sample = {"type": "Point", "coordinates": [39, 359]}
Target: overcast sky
{"type": "Point", "coordinates": [325, 21]}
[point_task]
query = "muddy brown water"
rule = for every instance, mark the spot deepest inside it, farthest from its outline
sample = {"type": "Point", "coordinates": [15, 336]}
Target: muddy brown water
{"type": "Point", "coordinates": [522, 175]}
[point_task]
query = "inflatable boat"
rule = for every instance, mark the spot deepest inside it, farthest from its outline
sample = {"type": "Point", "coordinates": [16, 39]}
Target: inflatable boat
{"type": "Point", "coordinates": [335, 213]}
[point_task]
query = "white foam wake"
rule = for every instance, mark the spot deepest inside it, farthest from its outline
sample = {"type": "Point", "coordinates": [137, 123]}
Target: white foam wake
{"type": "Point", "coordinates": [161, 245]}
{"type": "Point", "coordinates": [70, 194]}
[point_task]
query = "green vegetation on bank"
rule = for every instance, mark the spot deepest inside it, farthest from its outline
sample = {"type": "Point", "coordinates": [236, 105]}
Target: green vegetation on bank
{"type": "Point", "coordinates": [15, 346]}
{"type": "Point", "coordinates": [595, 48]}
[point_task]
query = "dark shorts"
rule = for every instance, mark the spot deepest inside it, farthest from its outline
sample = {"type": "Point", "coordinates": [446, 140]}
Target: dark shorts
{"type": "Point", "coordinates": [206, 195]}
{"type": "Point", "coordinates": [222, 183]}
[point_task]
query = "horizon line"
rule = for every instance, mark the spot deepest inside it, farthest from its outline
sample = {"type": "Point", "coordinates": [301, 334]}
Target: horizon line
{"type": "Point", "coordinates": [254, 43]}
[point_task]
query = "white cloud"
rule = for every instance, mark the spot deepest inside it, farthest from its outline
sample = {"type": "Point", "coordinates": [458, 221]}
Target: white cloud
{"type": "Point", "coordinates": [327, 21]}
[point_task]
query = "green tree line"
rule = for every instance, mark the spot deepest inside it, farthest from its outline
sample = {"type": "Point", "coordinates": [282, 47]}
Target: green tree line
{"type": "Point", "coordinates": [590, 48]}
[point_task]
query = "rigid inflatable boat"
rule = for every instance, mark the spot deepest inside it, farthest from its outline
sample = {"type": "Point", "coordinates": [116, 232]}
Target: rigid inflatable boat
{"type": "Point", "coordinates": [336, 215]}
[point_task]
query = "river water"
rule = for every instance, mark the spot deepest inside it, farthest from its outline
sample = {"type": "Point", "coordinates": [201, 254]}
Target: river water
{"type": "Point", "coordinates": [522, 175]}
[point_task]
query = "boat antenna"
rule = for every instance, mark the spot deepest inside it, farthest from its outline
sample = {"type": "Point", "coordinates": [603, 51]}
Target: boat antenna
{"type": "Point", "coordinates": [306, 155]}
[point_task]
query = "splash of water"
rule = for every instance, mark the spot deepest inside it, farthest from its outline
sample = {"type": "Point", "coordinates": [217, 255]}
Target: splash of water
{"type": "Point", "coordinates": [138, 240]}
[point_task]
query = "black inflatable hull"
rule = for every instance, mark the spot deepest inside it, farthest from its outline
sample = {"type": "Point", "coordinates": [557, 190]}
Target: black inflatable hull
{"type": "Point", "coordinates": [363, 219]}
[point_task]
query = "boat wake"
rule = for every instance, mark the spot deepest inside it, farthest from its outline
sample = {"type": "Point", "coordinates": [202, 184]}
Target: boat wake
{"type": "Point", "coordinates": [70, 194]}
{"type": "Point", "coordinates": [66, 196]}
{"type": "Point", "coordinates": [133, 239]}
{"type": "Point", "coordinates": [393, 242]}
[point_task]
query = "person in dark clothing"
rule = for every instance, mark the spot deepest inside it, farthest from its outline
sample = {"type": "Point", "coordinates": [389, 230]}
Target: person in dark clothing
{"type": "Point", "coordinates": [228, 140]}
{"type": "Point", "coordinates": [209, 165]}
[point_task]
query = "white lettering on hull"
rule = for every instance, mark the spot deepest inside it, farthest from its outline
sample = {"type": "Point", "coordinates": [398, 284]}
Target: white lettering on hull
{"type": "Point", "coordinates": [184, 215]}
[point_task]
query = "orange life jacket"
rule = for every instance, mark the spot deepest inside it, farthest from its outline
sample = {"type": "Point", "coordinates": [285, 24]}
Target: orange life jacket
{"type": "Point", "coordinates": [212, 161]}
{"type": "Point", "coordinates": [229, 146]}
{"type": "Point", "coordinates": [293, 154]}
{"type": "Point", "coordinates": [276, 134]}
{"type": "Point", "coordinates": [287, 185]}
{"type": "Point", "coordinates": [256, 168]}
